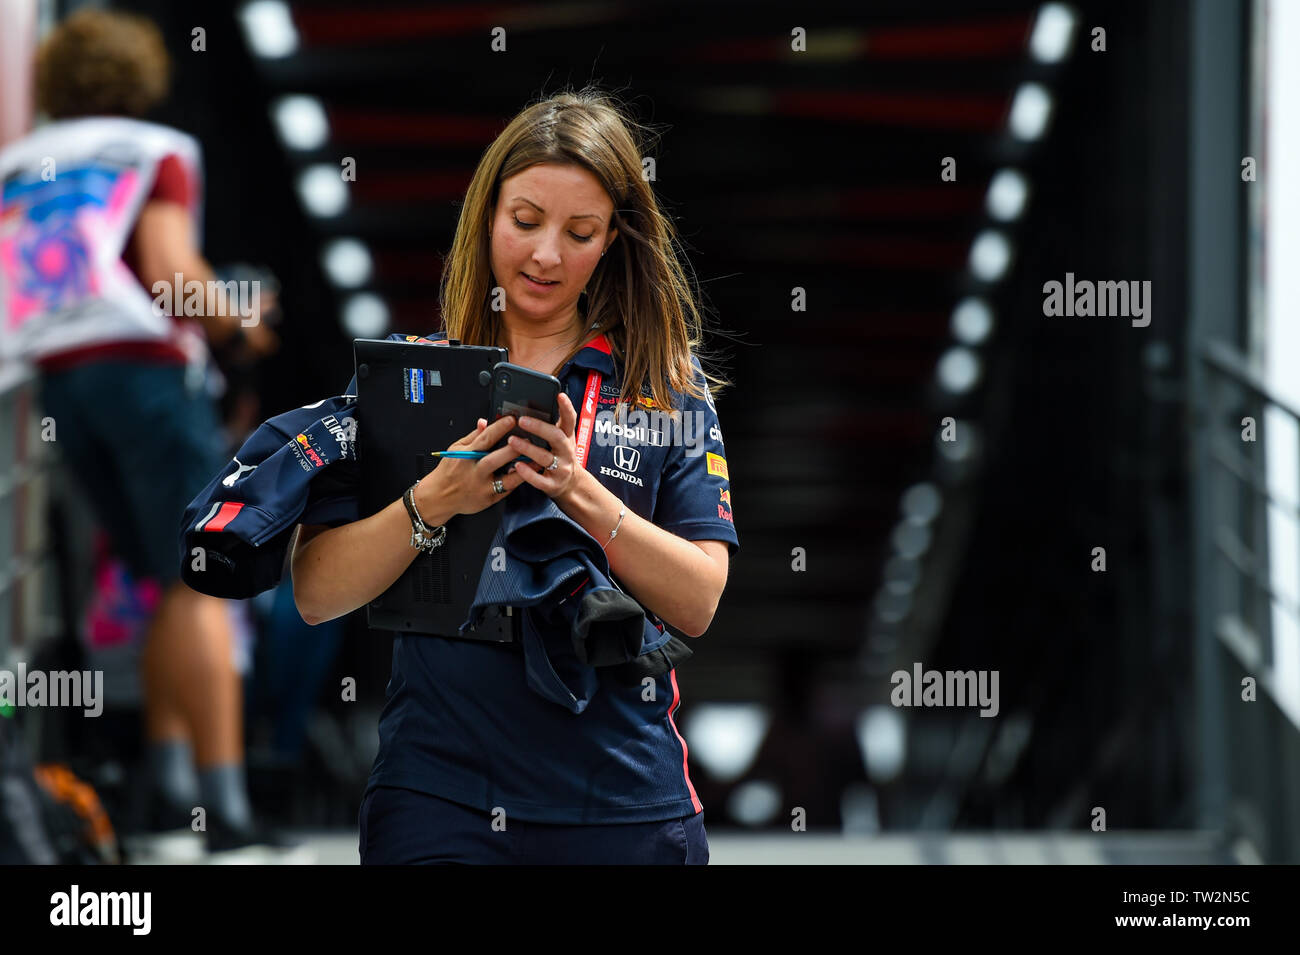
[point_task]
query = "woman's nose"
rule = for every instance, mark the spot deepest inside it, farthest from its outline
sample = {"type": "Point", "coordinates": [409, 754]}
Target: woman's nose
{"type": "Point", "coordinates": [547, 252]}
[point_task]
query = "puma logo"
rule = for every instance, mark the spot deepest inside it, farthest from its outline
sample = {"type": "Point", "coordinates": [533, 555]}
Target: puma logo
{"type": "Point", "coordinates": [243, 469]}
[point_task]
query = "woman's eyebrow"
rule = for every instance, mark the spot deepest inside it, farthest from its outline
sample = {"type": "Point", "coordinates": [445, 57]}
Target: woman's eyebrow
{"type": "Point", "coordinates": [585, 215]}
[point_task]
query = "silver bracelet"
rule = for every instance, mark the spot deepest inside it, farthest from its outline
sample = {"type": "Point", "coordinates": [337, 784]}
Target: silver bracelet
{"type": "Point", "coordinates": [614, 533]}
{"type": "Point", "coordinates": [422, 538]}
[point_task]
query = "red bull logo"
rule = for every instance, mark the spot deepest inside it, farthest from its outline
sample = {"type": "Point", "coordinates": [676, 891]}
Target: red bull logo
{"type": "Point", "coordinates": [309, 451]}
{"type": "Point", "coordinates": [724, 496]}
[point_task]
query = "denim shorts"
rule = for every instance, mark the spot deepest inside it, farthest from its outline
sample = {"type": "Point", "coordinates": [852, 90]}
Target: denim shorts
{"type": "Point", "coordinates": [405, 827]}
{"type": "Point", "coordinates": [140, 445]}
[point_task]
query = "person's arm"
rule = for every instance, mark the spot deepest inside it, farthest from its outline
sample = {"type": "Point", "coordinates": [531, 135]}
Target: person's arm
{"type": "Point", "coordinates": [675, 565]}
{"type": "Point", "coordinates": [164, 237]}
{"type": "Point", "coordinates": [336, 570]}
{"type": "Point", "coordinates": [679, 580]}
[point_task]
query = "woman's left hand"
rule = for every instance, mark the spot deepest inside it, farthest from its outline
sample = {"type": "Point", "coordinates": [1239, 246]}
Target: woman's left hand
{"type": "Point", "coordinates": [555, 482]}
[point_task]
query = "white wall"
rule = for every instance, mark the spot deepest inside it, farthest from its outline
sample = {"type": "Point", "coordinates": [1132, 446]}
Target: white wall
{"type": "Point", "coordinates": [1276, 273]}
{"type": "Point", "coordinates": [17, 46]}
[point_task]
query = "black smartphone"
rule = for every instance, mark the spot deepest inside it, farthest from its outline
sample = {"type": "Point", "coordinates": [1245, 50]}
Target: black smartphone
{"type": "Point", "coordinates": [520, 391]}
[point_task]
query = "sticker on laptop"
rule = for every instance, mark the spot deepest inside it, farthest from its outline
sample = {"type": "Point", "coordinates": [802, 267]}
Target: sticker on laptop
{"type": "Point", "coordinates": [414, 381]}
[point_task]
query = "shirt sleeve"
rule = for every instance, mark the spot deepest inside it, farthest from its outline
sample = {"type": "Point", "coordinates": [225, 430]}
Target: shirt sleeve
{"type": "Point", "coordinates": [172, 183]}
{"type": "Point", "coordinates": [333, 499]}
{"type": "Point", "coordinates": [694, 499]}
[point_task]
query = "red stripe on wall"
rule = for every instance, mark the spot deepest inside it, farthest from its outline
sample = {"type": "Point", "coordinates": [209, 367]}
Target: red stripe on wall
{"type": "Point", "coordinates": [915, 110]}
{"type": "Point", "coordinates": [326, 27]}
{"type": "Point", "coordinates": [1004, 36]}
{"type": "Point", "coordinates": [389, 128]}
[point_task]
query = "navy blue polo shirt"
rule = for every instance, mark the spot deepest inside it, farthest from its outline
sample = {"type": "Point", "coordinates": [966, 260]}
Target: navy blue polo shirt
{"type": "Point", "coordinates": [460, 721]}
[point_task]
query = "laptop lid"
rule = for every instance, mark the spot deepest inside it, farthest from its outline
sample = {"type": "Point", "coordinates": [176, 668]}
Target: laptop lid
{"type": "Point", "coordinates": [413, 399]}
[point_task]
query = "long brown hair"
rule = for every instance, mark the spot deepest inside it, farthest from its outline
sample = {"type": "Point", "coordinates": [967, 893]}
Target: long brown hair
{"type": "Point", "coordinates": [639, 293]}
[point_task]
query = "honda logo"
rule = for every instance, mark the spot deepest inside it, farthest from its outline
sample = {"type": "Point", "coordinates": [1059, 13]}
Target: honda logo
{"type": "Point", "coordinates": [626, 459]}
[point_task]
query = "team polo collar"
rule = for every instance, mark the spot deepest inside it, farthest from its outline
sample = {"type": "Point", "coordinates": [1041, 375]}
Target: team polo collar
{"type": "Point", "coordinates": [596, 355]}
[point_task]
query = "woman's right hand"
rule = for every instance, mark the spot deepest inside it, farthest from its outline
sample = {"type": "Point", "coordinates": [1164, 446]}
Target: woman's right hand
{"type": "Point", "coordinates": [461, 486]}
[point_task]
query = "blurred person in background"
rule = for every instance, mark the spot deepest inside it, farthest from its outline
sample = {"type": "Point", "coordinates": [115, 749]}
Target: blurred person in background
{"type": "Point", "coordinates": [98, 208]}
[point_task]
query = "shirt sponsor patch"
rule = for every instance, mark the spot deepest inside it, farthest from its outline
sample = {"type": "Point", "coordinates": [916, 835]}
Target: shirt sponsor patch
{"type": "Point", "coordinates": [239, 472]}
{"type": "Point", "coordinates": [609, 395]}
{"type": "Point", "coordinates": [309, 456]}
{"type": "Point", "coordinates": [345, 433]}
{"type": "Point", "coordinates": [609, 429]}
{"type": "Point", "coordinates": [717, 464]}
{"type": "Point", "coordinates": [622, 476]}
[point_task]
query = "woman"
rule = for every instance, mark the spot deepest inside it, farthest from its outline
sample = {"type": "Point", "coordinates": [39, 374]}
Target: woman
{"type": "Point", "coordinates": [472, 766]}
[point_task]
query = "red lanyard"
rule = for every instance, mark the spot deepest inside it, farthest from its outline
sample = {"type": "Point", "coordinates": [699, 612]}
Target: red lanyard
{"type": "Point", "coordinates": [587, 417]}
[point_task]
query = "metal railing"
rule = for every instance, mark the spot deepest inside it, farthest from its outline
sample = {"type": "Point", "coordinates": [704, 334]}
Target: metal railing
{"type": "Point", "coordinates": [1243, 593]}
{"type": "Point", "coordinates": [26, 566]}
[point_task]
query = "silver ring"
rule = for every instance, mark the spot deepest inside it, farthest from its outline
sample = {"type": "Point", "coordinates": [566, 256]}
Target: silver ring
{"type": "Point", "coordinates": [555, 462]}
{"type": "Point", "coordinates": [498, 486]}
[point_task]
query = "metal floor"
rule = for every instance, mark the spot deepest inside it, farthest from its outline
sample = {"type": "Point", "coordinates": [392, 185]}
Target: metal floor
{"type": "Point", "coordinates": [1110, 848]}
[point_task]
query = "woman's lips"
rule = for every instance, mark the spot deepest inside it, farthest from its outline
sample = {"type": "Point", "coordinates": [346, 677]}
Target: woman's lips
{"type": "Point", "coordinates": [540, 286]}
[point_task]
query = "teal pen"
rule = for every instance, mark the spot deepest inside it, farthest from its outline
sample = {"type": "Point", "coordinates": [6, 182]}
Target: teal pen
{"type": "Point", "coordinates": [470, 455]}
